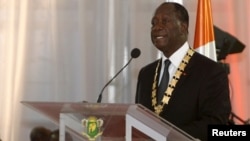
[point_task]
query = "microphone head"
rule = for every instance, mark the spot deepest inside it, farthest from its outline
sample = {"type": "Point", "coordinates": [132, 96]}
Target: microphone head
{"type": "Point", "coordinates": [135, 53]}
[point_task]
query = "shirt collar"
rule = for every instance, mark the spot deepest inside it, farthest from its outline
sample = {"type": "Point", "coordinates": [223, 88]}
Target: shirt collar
{"type": "Point", "coordinates": [177, 56]}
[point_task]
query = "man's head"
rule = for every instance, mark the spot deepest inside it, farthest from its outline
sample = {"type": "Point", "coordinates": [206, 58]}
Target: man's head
{"type": "Point", "coordinates": [40, 134]}
{"type": "Point", "coordinates": [54, 136]}
{"type": "Point", "coordinates": [169, 27]}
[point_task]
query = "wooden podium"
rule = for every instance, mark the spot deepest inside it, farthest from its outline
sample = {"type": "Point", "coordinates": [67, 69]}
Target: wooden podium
{"type": "Point", "coordinates": [108, 122]}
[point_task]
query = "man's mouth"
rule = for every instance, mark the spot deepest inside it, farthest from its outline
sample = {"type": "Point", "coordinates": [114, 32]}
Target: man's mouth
{"type": "Point", "coordinates": [159, 37]}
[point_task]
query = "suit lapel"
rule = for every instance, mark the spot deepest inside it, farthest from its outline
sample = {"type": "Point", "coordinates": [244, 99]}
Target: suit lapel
{"type": "Point", "coordinates": [187, 72]}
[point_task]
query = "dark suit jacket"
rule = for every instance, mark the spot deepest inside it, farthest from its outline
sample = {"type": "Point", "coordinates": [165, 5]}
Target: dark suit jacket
{"type": "Point", "coordinates": [201, 96]}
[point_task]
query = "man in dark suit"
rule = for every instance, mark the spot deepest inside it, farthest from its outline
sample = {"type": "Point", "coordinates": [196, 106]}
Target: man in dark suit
{"type": "Point", "coordinates": [198, 91]}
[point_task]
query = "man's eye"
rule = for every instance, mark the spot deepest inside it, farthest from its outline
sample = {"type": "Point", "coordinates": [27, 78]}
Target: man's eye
{"type": "Point", "coordinates": [153, 22]}
{"type": "Point", "coordinates": [165, 21]}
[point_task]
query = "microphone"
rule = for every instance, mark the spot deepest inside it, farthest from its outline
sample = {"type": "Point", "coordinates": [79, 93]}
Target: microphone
{"type": "Point", "coordinates": [134, 54]}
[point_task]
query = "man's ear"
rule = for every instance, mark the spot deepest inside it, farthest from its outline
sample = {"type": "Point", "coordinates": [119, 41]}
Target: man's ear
{"type": "Point", "coordinates": [184, 28]}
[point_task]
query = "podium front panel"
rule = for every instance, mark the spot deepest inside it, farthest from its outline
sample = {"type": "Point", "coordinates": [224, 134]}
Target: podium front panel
{"type": "Point", "coordinates": [107, 121]}
{"type": "Point", "coordinates": [73, 114]}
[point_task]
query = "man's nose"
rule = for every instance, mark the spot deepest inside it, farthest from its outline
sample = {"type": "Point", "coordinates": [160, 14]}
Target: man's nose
{"type": "Point", "coordinates": [158, 26]}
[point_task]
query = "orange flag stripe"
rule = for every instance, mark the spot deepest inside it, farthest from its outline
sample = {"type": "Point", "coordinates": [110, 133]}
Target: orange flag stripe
{"type": "Point", "coordinates": [204, 32]}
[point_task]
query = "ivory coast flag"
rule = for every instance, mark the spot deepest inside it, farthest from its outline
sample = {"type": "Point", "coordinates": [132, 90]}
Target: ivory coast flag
{"type": "Point", "coordinates": [204, 41]}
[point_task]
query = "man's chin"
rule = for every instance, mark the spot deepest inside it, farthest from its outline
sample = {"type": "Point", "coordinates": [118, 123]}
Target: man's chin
{"type": "Point", "coordinates": [159, 47]}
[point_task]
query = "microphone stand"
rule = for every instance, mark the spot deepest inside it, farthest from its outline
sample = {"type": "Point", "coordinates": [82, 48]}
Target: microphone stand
{"type": "Point", "coordinates": [233, 115]}
{"type": "Point", "coordinates": [134, 54]}
{"type": "Point", "coordinates": [100, 95]}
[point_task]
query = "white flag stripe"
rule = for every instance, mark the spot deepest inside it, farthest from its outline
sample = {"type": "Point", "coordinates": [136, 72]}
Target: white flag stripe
{"type": "Point", "coordinates": [208, 50]}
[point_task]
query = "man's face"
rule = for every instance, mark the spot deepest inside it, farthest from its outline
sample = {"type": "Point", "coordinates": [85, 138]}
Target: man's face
{"type": "Point", "coordinates": [166, 29]}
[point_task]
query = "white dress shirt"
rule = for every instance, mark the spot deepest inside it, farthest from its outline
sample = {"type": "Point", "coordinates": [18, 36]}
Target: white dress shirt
{"type": "Point", "coordinates": [175, 59]}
